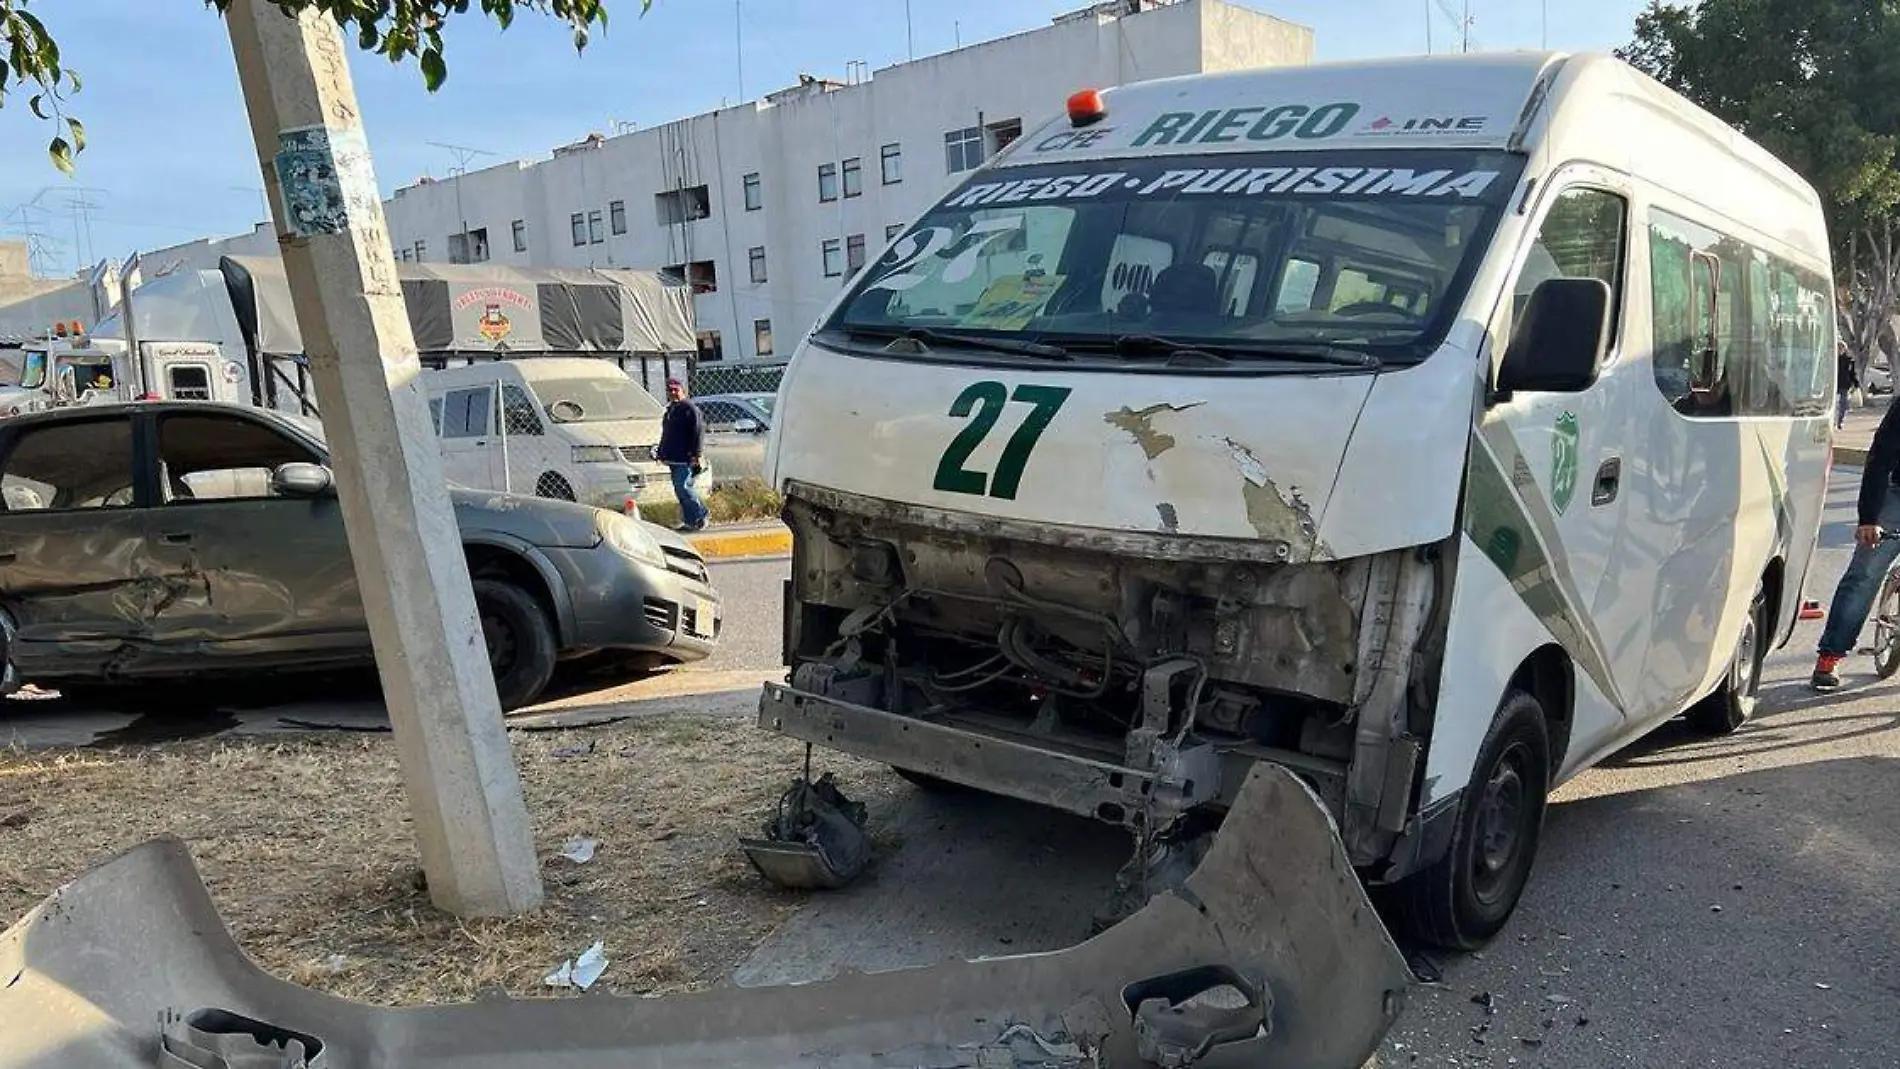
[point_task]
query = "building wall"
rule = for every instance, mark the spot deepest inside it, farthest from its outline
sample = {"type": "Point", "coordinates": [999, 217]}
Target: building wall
{"type": "Point", "coordinates": [784, 139]}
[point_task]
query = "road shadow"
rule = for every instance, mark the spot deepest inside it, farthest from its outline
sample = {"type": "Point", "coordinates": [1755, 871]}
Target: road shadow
{"type": "Point", "coordinates": [1774, 727]}
{"type": "Point", "coordinates": [1750, 920]}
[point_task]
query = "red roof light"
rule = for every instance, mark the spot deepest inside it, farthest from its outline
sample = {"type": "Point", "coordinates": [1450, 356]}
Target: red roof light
{"type": "Point", "coordinates": [1086, 108]}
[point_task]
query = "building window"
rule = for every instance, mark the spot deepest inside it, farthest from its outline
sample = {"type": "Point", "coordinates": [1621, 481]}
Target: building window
{"type": "Point", "coordinates": [422, 251]}
{"type": "Point", "coordinates": [827, 181]}
{"type": "Point", "coordinates": [594, 234]}
{"type": "Point", "coordinates": [520, 229]}
{"type": "Point", "coordinates": [853, 177]}
{"type": "Point", "coordinates": [579, 223]}
{"type": "Point", "coordinates": [617, 216]}
{"type": "Point", "coordinates": [470, 247]}
{"type": "Point", "coordinates": [890, 160]}
{"type": "Point", "coordinates": [762, 337]}
{"type": "Point", "coordinates": [891, 232]}
{"type": "Point", "coordinates": [854, 253]}
{"type": "Point", "coordinates": [834, 257]}
{"type": "Point", "coordinates": [963, 149]}
{"type": "Point", "coordinates": [701, 275]}
{"type": "Point", "coordinates": [997, 136]}
{"type": "Point", "coordinates": [710, 348]}
{"type": "Point", "coordinates": [756, 256]}
{"type": "Point", "coordinates": [754, 198]}
{"type": "Point", "coordinates": [403, 255]}
{"type": "Point", "coordinates": [676, 206]}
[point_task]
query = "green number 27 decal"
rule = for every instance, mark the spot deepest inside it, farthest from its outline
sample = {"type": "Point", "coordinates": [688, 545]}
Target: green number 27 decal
{"type": "Point", "coordinates": [986, 399]}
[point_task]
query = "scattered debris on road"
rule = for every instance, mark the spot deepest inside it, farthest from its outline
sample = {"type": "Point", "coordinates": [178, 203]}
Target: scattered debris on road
{"type": "Point", "coordinates": [580, 851]}
{"type": "Point", "coordinates": [582, 972]}
{"type": "Point", "coordinates": [816, 840]}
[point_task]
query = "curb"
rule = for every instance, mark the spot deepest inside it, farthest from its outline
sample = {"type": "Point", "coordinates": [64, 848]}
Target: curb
{"type": "Point", "coordinates": [754, 542]}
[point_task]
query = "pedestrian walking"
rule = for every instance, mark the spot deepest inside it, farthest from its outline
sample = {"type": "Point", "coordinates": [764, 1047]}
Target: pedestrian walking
{"type": "Point", "coordinates": [682, 437]}
{"type": "Point", "coordinates": [1846, 380]}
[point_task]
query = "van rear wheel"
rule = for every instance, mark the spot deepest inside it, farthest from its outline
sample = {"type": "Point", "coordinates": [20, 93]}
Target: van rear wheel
{"type": "Point", "coordinates": [1463, 899]}
{"type": "Point", "coordinates": [1733, 701]}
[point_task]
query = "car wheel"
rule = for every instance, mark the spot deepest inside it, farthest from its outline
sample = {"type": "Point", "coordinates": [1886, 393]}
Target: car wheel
{"type": "Point", "coordinates": [553, 485]}
{"type": "Point", "coordinates": [520, 640]}
{"type": "Point", "coordinates": [1464, 898]}
{"type": "Point", "coordinates": [1733, 701]}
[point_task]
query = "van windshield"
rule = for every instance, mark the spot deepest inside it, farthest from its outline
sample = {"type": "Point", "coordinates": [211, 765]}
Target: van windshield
{"type": "Point", "coordinates": [595, 400]}
{"type": "Point", "coordinates": [1367, 251]}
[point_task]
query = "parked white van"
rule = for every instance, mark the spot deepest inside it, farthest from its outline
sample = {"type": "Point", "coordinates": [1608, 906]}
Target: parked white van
{"type": "Point", "coordinates": [1433, 428]}
{"type": "Point", "coordinates": [572, 428]}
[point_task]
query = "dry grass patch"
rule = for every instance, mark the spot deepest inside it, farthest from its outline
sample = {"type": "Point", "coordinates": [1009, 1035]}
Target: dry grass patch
{"type": "Point", "coordinates": [306, 846]}
{"type": "Point", "coordinates": [741, 502]}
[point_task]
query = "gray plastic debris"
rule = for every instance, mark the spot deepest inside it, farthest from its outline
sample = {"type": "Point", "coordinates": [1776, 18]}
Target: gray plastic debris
{"type": "Point", "coordinates": [580, 851]}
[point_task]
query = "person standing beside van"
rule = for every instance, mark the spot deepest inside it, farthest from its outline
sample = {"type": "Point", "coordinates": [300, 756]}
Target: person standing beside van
{"type": "Point", "coordinates": [682, 437]}
{"type": "Point", "coordinates": [1846, 378]}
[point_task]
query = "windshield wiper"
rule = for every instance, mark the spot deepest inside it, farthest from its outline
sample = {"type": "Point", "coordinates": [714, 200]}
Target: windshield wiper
{"type": "Point", "coordinates": [928, 337]}
{"type": "Point", "coordinates": [1142, 344]}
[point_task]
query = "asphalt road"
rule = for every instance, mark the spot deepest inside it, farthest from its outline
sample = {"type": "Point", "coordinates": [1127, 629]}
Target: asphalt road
{"type": "Point", "coordinates": [1731, 903]}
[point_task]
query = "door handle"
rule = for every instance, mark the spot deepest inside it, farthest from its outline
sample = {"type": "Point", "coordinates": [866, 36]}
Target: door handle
{"type": "Point", "coordinates": [1609, 480]}
{"type": "Point", "coordinates": [175, 538]}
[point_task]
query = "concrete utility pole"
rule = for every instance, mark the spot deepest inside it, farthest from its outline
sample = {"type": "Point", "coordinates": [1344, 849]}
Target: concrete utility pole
{"type": "Point", "coordinates": [464, 789]}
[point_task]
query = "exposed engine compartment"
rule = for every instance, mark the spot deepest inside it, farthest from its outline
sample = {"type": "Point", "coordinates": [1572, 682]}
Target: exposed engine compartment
{"type": "Point", "coordinates": [1154, 667]}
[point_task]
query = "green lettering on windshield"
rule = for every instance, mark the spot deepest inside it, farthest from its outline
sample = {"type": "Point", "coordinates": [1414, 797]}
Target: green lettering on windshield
{"type": "Point", "coordinates": [986, 399]}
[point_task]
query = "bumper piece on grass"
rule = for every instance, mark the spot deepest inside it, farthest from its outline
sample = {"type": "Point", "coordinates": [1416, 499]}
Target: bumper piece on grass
{"type": "Point", "coordinates": [816, 840]}
{"type": "Point", "coordinates": [1275, 913]}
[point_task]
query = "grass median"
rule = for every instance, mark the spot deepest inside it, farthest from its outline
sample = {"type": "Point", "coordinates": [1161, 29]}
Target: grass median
{"type": "Point", "coordinates": [307, 847]}
{"type": "Point", "coordinates": [749, 501]}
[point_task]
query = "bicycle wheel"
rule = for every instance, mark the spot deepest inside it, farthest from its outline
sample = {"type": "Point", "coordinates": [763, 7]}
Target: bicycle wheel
{"type": "Point", "coordinates": [1887, 627]}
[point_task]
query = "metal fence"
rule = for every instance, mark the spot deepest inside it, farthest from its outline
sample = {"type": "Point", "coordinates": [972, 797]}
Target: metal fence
{"type": "Point", "coordinates": [751, 376]}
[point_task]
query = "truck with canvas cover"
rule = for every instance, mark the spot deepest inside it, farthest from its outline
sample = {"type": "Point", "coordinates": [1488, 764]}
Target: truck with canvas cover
{"type": "Point", "coordinates": [1410, 425]}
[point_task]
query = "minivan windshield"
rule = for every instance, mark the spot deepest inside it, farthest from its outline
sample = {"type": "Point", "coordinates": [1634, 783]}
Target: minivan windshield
{"type": "Point", "coordinates": [600, 399]}
{"type": "Point", "coordinates": [1266, 255]}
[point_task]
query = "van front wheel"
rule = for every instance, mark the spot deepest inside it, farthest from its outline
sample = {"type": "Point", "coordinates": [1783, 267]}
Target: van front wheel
{"type": "Point", "coordinates": [1464, 898]}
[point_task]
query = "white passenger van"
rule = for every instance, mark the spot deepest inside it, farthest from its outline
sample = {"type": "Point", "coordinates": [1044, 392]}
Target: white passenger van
{"type": "Point", "coordinates": [1431, 427]}
{"type": "Point", "coordinates": [563, 427]}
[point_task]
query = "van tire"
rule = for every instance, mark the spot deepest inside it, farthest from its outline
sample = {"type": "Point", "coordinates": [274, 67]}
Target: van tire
{"type": "Point", "coordinates": [554, 485]}
{"type": "Point", "coordinates": [520, 640]}
{"type": "Point", "coordinates": [1463, 899]}
{"type": "Point", "coordinates": [1733, 701]}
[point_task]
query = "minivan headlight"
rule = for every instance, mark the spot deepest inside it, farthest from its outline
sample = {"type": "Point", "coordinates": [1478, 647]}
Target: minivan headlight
{"type": "Point", "coordinates": [595, 454]}
{"type": "Point", "coordinates": [630, 538]}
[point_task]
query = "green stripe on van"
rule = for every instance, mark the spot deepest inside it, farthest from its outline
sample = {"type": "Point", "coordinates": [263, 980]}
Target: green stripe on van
{"type": "Point", "coordinates": [1508, 518]}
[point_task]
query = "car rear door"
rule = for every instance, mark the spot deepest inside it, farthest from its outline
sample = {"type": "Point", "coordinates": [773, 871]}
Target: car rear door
{"type": "Point", "coordinates": [75, 577]}
{"type": "Point", "coordinates": [271, 576]}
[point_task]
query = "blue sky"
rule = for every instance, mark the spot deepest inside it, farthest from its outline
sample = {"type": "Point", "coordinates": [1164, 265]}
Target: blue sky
{"type": "Point", "coordinates": [170, 155]}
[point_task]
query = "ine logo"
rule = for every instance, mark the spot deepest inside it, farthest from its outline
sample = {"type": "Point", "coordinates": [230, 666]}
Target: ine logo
{"type": "Point", "coordinates": [1427, 124]}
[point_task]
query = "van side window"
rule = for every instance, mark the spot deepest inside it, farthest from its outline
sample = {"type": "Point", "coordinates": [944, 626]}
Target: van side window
{"type": "Point", "coordinates": [519, 413]}
{"type": "Point", "coordinates": [1582, 237]}
{"type": "Point", "coordinates": [1736, 332]}
{"type": "Point", "coordinates": [466, 412]}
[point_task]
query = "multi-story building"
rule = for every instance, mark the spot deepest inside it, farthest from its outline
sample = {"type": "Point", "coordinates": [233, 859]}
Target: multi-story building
{"type": "Point", "coordinates": [767, 208]}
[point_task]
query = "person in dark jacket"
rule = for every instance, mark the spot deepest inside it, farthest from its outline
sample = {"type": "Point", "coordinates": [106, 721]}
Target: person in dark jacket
{"type": "Point", "coordinates": [1878, 511]}
{"type": "Point", "coordinates": [682, 437]}
{"type": "Point", "coordinates": [1846, 377]}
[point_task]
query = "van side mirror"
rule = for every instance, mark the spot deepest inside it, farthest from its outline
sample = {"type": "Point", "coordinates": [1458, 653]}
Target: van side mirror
{"type": "Point", "coordinates": [301, 480]}
{"type": "Point", "coordinates": [1560, 338]}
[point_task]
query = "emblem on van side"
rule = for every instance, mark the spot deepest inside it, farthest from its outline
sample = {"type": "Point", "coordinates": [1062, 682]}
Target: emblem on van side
{"type": "Point", "coordinates": [1563, 461]}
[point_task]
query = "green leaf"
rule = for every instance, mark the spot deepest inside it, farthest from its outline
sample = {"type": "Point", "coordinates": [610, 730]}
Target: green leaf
{"type": "Point", "coordinates": [73, 77]}
{"type": "Point", "coordinates": [38, 111]}
{"type": "Point", "coordinates": [62, 155]}
{"type": "Point", "coordinates": [79, 134]}
{"type": "Point", "coordinates": [434, 70]}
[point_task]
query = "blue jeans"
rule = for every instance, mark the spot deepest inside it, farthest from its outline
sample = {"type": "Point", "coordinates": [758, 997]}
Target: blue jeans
{"type": "Point", "coordinates": [1860, 584]}
{"type": "Point", "coordinates": [692, 509]}
{"type": "Point", "coordinates": [1840, 410]}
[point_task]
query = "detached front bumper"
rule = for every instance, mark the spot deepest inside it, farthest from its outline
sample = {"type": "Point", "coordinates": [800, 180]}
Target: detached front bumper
{"type": "Point", "coordinates": [133, 958]}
